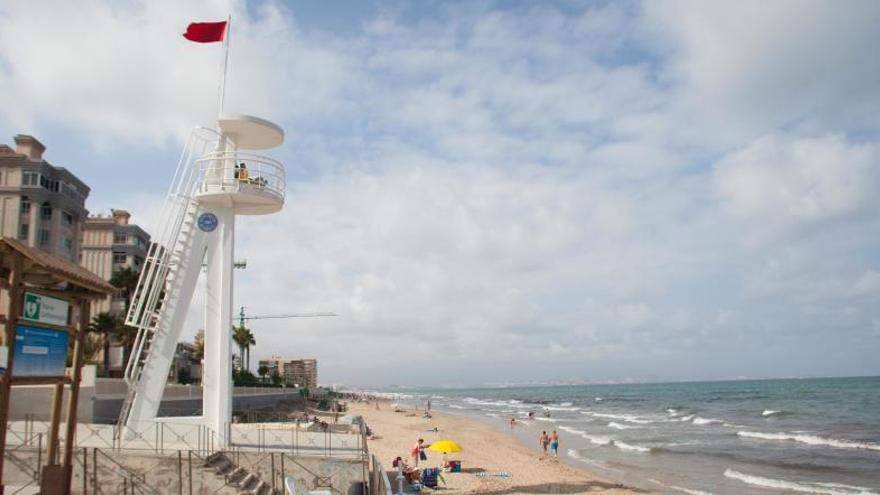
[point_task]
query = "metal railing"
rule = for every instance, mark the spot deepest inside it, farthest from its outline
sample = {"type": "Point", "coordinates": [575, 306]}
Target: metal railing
{"type": "Point", "coordinates": [297, 438]}
{"type": "Point", "coordinates": [238, 171]}
{"type": "Point", "coordinates": [174, 458]}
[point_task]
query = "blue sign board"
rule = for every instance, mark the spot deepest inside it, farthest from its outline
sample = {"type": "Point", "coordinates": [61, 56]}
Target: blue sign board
{"type": "Point", "coordinates": [207, 222]}
{"type": "Point", "coordinates": [40, 351]}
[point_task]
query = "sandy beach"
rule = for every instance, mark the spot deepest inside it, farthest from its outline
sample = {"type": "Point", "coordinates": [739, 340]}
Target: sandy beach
{"type": "Point", "coordinates": [486, 449]}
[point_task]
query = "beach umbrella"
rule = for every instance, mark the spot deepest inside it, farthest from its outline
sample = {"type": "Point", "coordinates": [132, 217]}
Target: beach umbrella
{"type": "Point", "coordinates": [445, 446]}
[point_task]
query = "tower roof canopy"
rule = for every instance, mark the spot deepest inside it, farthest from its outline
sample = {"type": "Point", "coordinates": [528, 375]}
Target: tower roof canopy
{"type": "Point", "coordinates": [251, 133]}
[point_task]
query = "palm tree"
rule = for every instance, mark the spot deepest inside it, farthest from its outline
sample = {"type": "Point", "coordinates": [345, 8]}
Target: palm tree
{"type": "Point", "coordinates": [125, 279]}
{"type": "Point", "coordinates": [126, 336]}
{"type": "Point", "coordinates": [241, 338]}
{"type": "Point", "coordinates": [247, 347]}
{"type": "Point", "coordinates": [199, 345]}
{"type": "Point", "coordinates": [105, 324]}
{"type": "Point", "coordinates": [263, 370]}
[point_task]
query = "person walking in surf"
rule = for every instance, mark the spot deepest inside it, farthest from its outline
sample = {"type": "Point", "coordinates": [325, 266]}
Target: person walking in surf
{"type": "Point", "coordinates": [544, 440]}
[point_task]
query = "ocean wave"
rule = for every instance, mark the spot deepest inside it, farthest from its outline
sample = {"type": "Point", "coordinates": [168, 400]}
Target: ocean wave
{"type": "Point", "coordinates": [561, 408]}
{"type": "Point", "coordinates": [820, 488]}
{"type": "Point", "coordinates": [626, 446]}
{"type": "Point", "coordinates": [598, 440]}
{"type": "Point", "coordinates": [688, 490]}
{"type": "Point", "coordinates": [629, 418]}
{"type": "Point", "coordinates": [573, 431]}
{"type": "Point", "coordinates": [618, 426]}
{"type": "Point", "coordinates": [566, 404]}
{"type": "Point", "coordinates": [705, 421]}
{"type": "Point", "coordinates": [771, 412]}
{"type": "Point", "coordinates": [672, 412]}
{"type": "Point", "coordinates": [549, 420]}
{"type": "Point", "coordinates": [598, 399]}
{"type": "Point", "coordinates": [811, 440]}
{"type": "Point", "coordinates": [456, 407]}
{"type": "Point", "coordinates": [492, 415]}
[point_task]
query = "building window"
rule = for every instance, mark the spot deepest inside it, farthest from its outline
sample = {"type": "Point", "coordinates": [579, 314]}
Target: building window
{"type": "Point", "coordinates": [50, 184]}
{"type": "Point", "coordinates": [66, 244]}
{"type": "Point", "coordinates": [30, 179]}
{"type": "Point", "coordinates": [44, 237]}
{"type": "Point", "coordinates": [119, 258]}
{"type": "Point", "coordinates": [24, 231]}
{"type": "Point", "coordinates": [46, 211]}
{"type": "Point", "coordinates": [120, 239]}
{"type": "Point", "coordinates": [67, 218]}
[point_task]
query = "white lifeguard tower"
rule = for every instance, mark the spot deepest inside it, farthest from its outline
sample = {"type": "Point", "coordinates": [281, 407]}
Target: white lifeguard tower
{"type": "Point", "coordinates": [217, 178]}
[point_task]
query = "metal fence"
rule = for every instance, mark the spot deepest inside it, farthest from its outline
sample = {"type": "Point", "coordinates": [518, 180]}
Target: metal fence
{"type": "Point", "coordinates": [181, 458]}
{"type": "Point", "coordinates": [298, 438]}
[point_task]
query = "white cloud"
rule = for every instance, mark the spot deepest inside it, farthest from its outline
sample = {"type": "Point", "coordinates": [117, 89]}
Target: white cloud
{"type": "Point", "coordinates": [127, 74]}
{"type": "Point", "coordinates": [527, 184]}
{"type": "Point", "coordinates": [778, 183]}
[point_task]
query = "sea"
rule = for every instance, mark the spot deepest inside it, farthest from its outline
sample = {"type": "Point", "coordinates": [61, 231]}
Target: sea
{"type": "Point", "coordinates": [723, 437]}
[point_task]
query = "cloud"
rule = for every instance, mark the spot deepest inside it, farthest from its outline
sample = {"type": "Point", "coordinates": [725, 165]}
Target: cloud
{"type": "Point", "coordinates": [643, 190]}
{"type": "Point", "coordinates": [776, 183]}
{"type": "Point", "coordinates": [127, 74]}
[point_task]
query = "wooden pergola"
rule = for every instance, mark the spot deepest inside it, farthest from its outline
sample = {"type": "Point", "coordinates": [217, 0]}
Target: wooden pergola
{"type": "Point", "coordinates": [26, 269]}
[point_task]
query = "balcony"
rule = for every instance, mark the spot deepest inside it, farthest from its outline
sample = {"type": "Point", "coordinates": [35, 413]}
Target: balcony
{"type": "Point", "coordinates": [252, 184]}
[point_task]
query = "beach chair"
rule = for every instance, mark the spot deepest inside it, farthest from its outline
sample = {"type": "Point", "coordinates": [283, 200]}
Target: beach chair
{"type": "Point", "coordinates": [429, 477]}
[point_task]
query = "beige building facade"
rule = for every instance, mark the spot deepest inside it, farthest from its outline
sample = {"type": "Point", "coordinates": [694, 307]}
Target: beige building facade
{"type": "Point", "coordinates": [40, 204]}
{"type": "Point", "coordinates": [299, 372]}
{"type": "Point", "coordinates": [108, 244]}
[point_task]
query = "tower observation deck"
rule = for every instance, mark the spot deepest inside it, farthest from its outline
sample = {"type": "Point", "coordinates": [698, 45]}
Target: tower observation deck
{"type": "Point", "coordinates": [248, 183]}
{"type": "Point", "coordinates": [218, 177]}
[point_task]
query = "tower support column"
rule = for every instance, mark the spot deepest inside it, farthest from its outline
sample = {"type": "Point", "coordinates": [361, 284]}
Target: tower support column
{"type": "Point", "coordinates": [217, 382]}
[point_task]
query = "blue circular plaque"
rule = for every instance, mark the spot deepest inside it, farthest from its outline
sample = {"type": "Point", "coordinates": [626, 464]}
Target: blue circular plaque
{"type": "Point", "coordinates": [207, 222]}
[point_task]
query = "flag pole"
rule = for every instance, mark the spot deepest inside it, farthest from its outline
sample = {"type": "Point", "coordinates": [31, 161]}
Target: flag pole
{"type": "Point", "coordinates": [225, 64]}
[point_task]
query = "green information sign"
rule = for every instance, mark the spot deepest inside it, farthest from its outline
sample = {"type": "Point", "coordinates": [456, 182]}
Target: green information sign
{"type": "Point", "coordinates": [45, 309]}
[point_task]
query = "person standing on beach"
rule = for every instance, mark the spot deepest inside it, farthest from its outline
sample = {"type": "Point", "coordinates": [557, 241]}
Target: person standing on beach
{"type": "Point", "coordinates": [544, 440]}
{"type": "Point", "coordinates": [554, 443]}
{"type": "Point", "coordinates": [512, 423]}
{"type": "Point", "coordinates": [418, 451]}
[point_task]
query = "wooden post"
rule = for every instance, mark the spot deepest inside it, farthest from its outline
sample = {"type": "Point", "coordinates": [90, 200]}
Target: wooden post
{"type": "Point", "coordinates": [55, 425]}
{"type": "Point", "coordinates": [12, 314]}
{"type": "Point", "coordinates": [73, 401]}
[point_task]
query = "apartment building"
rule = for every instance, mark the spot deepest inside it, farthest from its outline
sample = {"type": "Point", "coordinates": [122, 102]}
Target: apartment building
{"type": "Point", "coordinates": [40, 204]}
{"type": "Point", "coordinates": [111, 242]}
{"type": "Point", "coordinates": [298, 372]}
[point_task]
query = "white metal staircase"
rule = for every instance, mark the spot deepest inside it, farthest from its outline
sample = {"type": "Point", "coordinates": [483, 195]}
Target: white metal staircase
{"type": "Point", "coordinates": [167, 278]}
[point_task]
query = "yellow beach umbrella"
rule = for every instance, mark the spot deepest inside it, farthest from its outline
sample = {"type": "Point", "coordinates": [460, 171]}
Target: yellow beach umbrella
{"type": "Point", "coordinates": [445, 446]}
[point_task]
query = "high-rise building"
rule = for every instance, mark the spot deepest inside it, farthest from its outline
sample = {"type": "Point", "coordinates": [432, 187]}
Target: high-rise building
{"type": "Point", "coordinates": [110, 243]}
{"type": "Point", "coordinates": [40, 204]}
{"type": "Point", "coordinates": [298, 372]}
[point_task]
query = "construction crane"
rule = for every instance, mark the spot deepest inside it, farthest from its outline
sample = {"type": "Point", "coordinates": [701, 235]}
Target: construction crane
{"type": "Point", "coordinates": [242, 317]}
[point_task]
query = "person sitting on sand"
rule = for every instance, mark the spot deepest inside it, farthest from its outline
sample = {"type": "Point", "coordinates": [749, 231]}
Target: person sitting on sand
{"type": "Point", "coordinates": [410, 473]}
{"type": "Point", "coordinates": [418, 451]}
{"type": "Point", "coordinates": [554, 443]}
{"type": "Point", "coordinates": [544, 440]}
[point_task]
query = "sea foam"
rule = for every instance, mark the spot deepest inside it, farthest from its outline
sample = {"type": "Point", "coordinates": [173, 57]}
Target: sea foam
{"type": "Point", "coordinates": [618, 426]}
{"type": "Point", "coordinates": [705, 421]}
{"type": "Point", "coordinates": [634, 448]}
{"type": "Point", "coordinates": [820, 488]}
{"type": "Point", "coordinates": [810, 440]}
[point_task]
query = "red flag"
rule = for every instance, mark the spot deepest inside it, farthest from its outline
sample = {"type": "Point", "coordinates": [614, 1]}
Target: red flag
{"type": "Point", "coordinates": [205, 32]}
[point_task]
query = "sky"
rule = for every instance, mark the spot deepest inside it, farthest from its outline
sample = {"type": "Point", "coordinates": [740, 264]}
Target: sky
{"type": "Point", "coordinates": [504, 192]}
